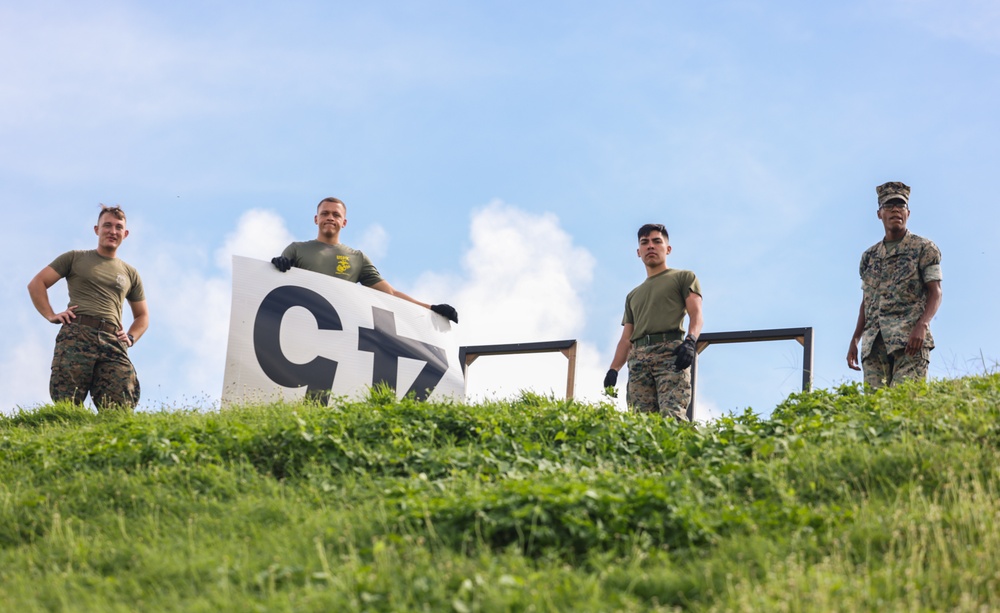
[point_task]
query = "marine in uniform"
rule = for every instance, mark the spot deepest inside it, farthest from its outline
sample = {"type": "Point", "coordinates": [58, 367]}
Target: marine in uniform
{"type": "Point", "coordinates": [328, 256]}
{"type": "Point", "coordinates": [91, 352]}
{"type": "Point", "coordinates": [653, 342]}
{"type": "Point", "coordinates": [901, 284]}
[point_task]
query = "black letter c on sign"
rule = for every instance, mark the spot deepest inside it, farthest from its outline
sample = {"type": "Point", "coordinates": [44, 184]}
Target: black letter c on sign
{"type": "Point", "coordinates": [316, 375]}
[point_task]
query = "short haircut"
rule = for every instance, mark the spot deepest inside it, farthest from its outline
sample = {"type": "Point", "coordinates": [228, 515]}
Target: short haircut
{"type": "Point", "coordinates": [111, 210]}
{"type": "Point", "coordinates": [331, 199]}
{"type": "Point", "coordinates": [649, 228]}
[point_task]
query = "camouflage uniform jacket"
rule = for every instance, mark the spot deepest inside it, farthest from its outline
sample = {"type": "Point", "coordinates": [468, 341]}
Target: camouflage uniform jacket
{"type": "Point", "coordinates": [894, 280]}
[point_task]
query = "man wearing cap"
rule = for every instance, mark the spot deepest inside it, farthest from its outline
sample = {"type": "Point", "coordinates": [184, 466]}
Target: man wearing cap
{"type": "Point", "coordinates": [327, 255]}
{"type": "Point", "coordinates": [901, 281]}
{"type": "Point", "coordinates": [91, 354]}
{"type": "Point", "coordinates": [659, 355]}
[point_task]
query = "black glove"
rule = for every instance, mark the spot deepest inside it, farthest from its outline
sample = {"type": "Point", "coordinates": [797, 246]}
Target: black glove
{"type": "Point", "coordinates": [684, 353]}
{"type": "Point", "coordinates": [611, 379]}
{"type": "Point", "coordinates": [281, 263]}
{"type": "Point", "coordinates": [446, 310]}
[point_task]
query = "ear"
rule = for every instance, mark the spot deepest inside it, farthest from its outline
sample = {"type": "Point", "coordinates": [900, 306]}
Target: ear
{"type": "Point", "coordinates": [96, 232]}
{"type": "Point", "coordinates": [316, 219]}
{"type": "Point", "coordinates": [124, 234]}
{"type": "Point", "coordinates": [669, 249]}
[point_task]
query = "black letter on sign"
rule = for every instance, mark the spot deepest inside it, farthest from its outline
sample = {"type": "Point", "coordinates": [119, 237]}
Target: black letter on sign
{"type": "Point", "coordinates": [318, 374]}
{"type": "Point", "coordinates": [388, 348]}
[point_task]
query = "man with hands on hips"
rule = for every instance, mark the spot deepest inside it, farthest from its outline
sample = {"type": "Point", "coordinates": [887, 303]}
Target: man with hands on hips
{"type": "Point", "coordinates": [91, 353]}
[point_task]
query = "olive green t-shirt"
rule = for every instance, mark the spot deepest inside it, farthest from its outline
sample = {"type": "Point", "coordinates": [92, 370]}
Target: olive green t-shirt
{"type": "Point", "coordinates": [335, 260]}
{"type": "Point", "coordinates": [658, 304]}
{"type": "Point", "coordinates": [98, 285]}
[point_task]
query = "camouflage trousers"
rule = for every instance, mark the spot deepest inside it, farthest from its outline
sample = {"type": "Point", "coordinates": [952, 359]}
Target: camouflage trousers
{"type": "Point", "coordinates": [882, 368]}
{"type": "Point", "coordinates": [654, 386]}
{"type": "Point", "coordinates": [88, 360]}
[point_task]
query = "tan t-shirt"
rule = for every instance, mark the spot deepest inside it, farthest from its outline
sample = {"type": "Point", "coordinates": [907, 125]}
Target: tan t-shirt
{"type": "Point", "coordinates": [658, 304]}
{"type": "Point", "coordinates": [335, 260]}
{"type": "Point", "coordinates": [98, 285]}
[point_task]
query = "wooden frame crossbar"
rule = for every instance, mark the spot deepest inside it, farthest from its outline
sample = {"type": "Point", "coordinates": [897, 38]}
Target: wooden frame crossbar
{"type": "Point", "coordinates": [467, 355]}
{"type": "Point", "coordinates": [804, 336]}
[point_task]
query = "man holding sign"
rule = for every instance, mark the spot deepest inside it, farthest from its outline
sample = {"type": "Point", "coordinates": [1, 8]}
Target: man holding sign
{"type": "Point", "coordinates": [327, 255]}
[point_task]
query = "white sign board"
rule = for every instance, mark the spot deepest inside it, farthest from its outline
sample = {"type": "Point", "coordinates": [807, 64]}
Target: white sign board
{"type": "Point", "coordinates": [300, 332]}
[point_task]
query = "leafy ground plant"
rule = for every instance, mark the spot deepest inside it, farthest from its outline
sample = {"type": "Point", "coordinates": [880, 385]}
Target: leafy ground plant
{"type": "Point", "coordinates": [842, 500]}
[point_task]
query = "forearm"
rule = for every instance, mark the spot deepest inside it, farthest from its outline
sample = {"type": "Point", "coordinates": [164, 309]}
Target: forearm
{"type": "Point", "coordinates": [934, 296]}
{"type": "Point", "coordinates": [692, 304]}
{"type": "Point", "coordinates": [400, 294]}
{"type": "Point", "coordinates": [859, 328]}
{"type": "Point", "coordinates": [38, 289]}
{"type": "Point", "coordinates": [695, 323]}
{"type": "Point", "coordinates": [385, 287]}
{"type": "Point", "coordinates": [40, 299]}
{"type": "Point", "coordinates": [139, 326]}
{"type": "Point", "coordinates": [621, 354]}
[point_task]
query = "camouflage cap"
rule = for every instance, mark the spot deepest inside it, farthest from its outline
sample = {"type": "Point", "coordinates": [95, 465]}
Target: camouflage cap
{"type": "Point", "coordinates": [891, 191]}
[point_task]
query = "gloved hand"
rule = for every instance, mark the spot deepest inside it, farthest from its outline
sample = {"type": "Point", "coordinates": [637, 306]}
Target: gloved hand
{"type": "Point", "coordinates": [610, 380]}
{"type": "Point", "coordinates": [446, 310]}
{"type": "Point", "coordinates": [281, 263]}
{"type": "Point", "coordinates": [684, 353]}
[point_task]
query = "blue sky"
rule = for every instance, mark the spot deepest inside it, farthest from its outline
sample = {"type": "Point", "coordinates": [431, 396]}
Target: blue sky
{"type": "Point", "coordinates": [499, 156]}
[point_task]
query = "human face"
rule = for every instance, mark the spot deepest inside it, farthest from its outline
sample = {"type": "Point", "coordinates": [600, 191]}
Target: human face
{"type": "Point", "coordinates": [653, 249]}
{"type": "Point", "coordinates": [894, 215]}
{"type": "Point", "coordinates": [330, 218]}
{"type": "Point", "coordinates": [110, 233]}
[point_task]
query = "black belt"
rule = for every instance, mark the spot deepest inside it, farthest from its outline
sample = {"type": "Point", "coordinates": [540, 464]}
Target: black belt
{"type": "Point", "coordinates": [662, 337]}
{"type": "Point", "coordinates": [97, 322]}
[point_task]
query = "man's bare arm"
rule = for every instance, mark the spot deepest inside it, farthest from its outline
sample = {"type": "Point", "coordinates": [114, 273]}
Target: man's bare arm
{"type": "Point", "coordinates": [140, 322]}
{"type": "Point", "coordinates": [623, 347]}
{"type": "Point", "coordinates": [859, 328]}
{"type": "Point", "coordinates": [917, 335]}
{"type": "Point", "coordinates": [38, 289]}
{"type": "Point", "coordinates": [695, 320]}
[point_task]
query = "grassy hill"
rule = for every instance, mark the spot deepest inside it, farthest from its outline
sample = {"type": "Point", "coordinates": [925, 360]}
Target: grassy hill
{"type": "Point", "coordinates": [841, 500]}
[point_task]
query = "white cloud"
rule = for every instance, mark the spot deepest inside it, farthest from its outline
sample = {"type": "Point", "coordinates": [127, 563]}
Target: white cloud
{"type": "Point", "coordinates": [524, 278]}
{"type": "Point", "coordinates": [374, 241]}
{"type": "Point", "coordinates": [523, 282]}
{"type": "Point", "coordinates": [191, 309]}
{"type": "Point", "coordinates": [259, 234]}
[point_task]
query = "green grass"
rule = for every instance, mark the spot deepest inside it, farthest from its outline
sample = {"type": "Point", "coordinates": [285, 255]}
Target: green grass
{"type": "Point", "coordinates": [841, 500]}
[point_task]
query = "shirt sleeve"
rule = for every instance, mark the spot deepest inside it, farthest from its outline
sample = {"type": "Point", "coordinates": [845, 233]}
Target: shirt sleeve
{"type": "Point", "coordinates": [136, 294]}
{"type": "Point", "coordinates": [694, 286]}
{"type": "Point", "coordinates": [628, 317]}
{"type": "Point", "coordinates": [63, 264]}
{"type": "Point", "coordinates": [930, 263]}
{"type": "Point", "coordinates": [369, 274]}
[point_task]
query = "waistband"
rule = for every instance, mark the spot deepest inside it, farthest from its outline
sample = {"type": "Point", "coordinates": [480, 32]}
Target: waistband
{"type": "Point", "coordinates": [662, 337]}
{"type": "Point", "coordinates": [96, 322]}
